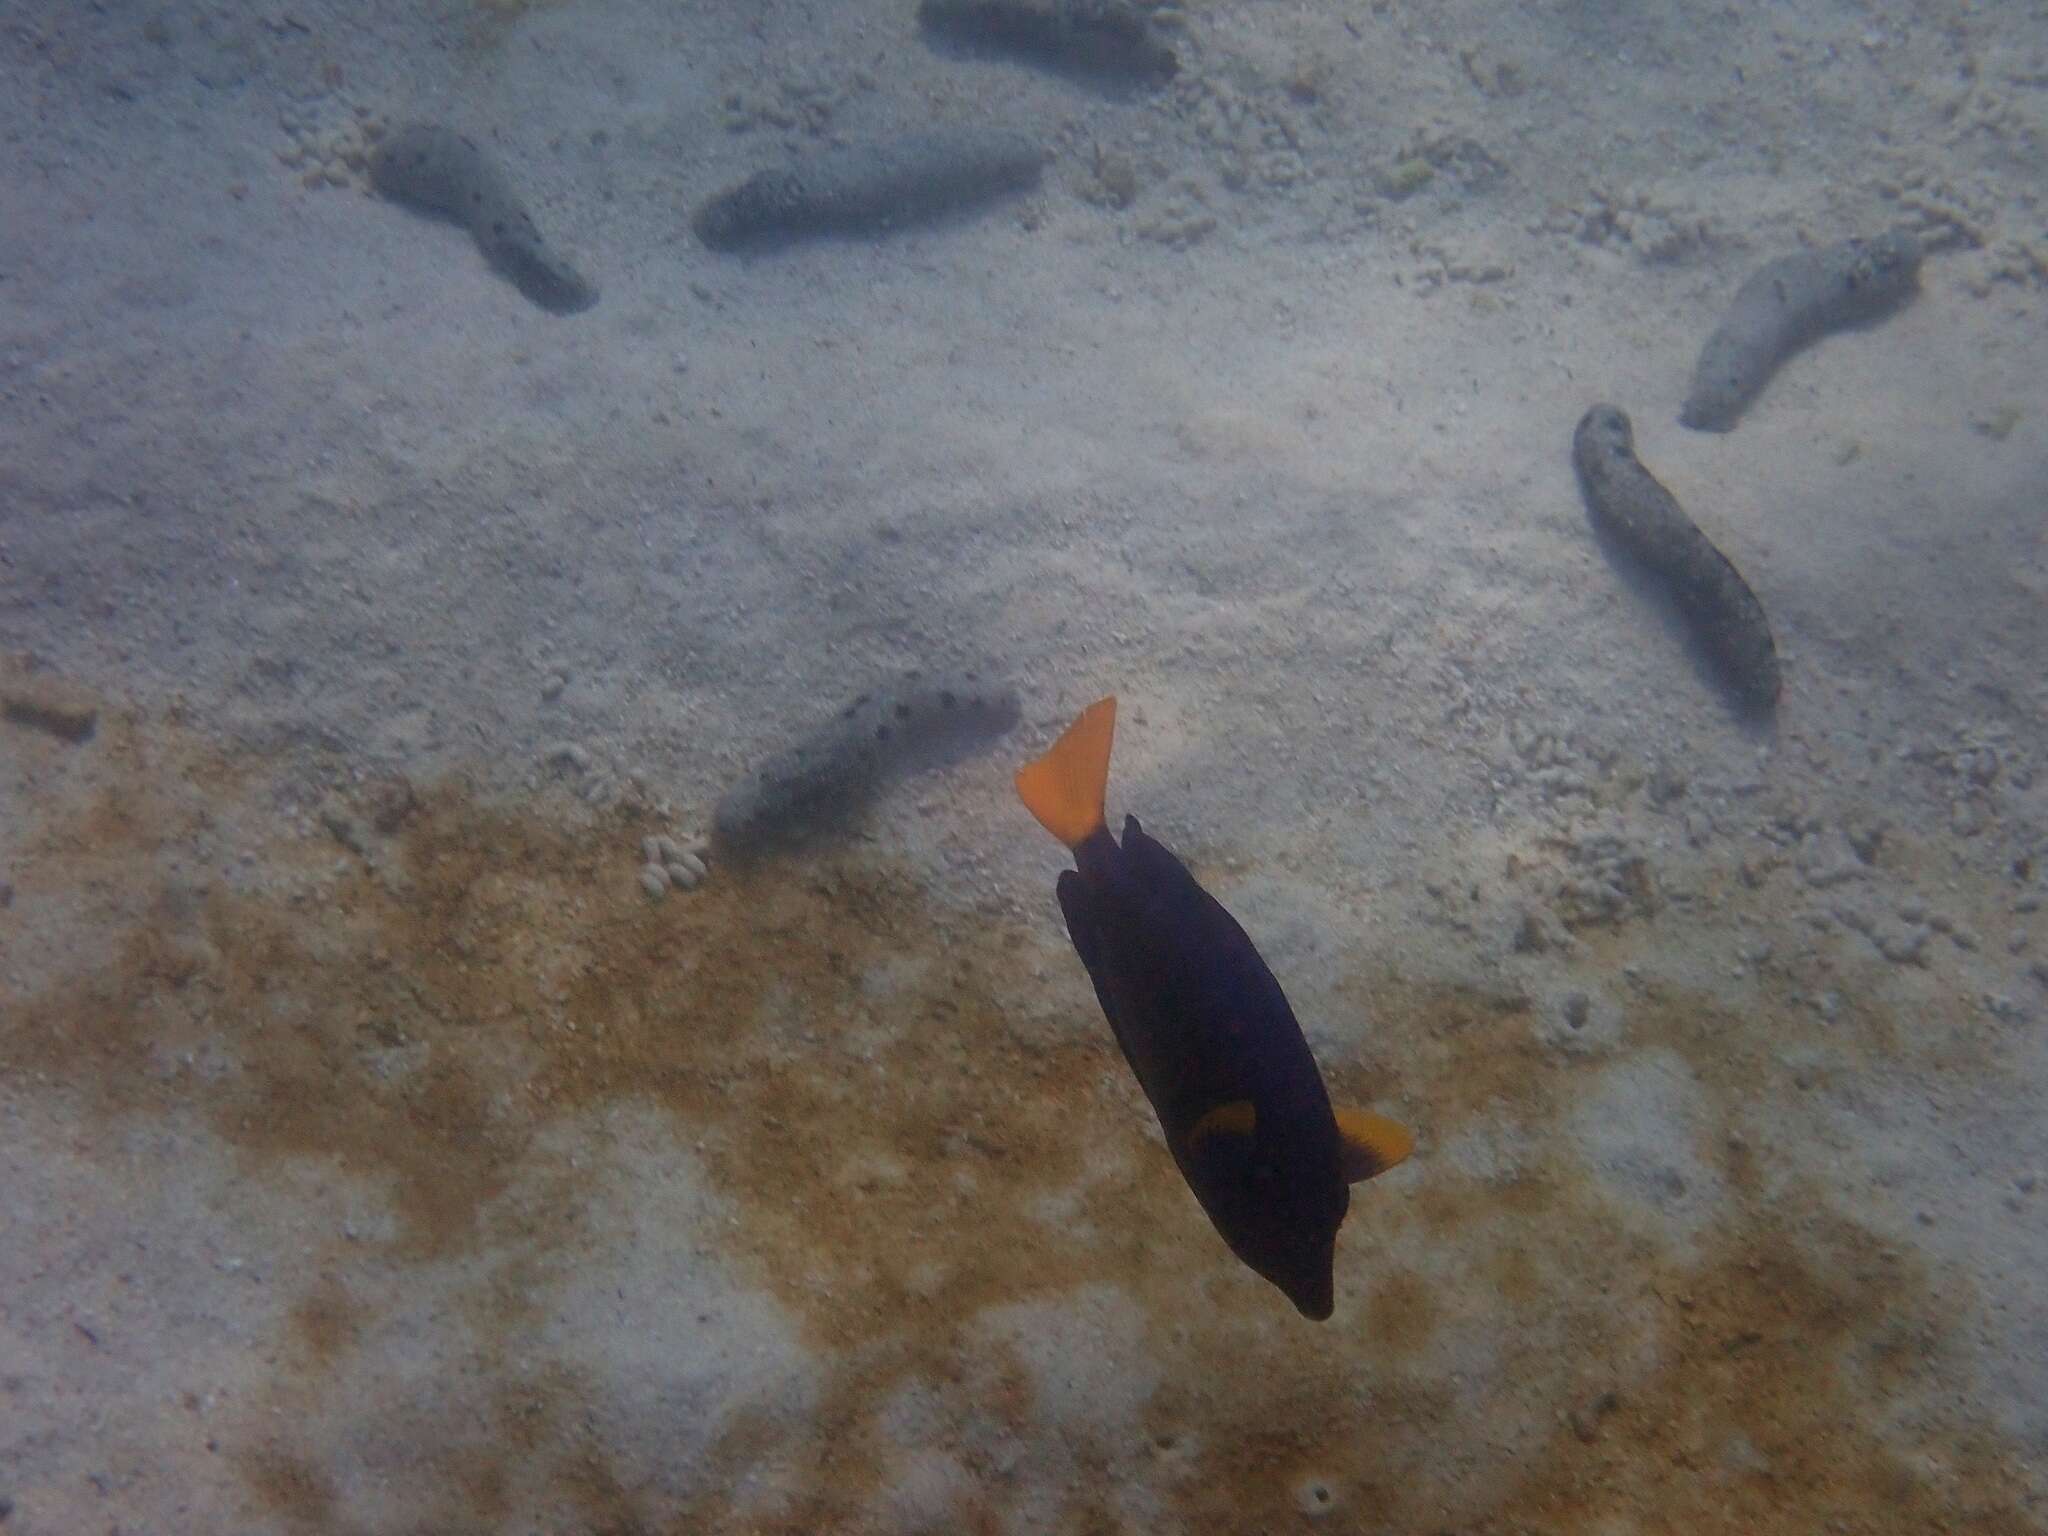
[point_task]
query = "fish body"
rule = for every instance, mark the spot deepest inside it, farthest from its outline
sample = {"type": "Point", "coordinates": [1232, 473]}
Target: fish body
{"type": "Point", "coordinates": [1208, 1032]}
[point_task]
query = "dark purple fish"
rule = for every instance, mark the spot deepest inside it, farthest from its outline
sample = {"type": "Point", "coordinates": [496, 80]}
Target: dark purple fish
{"type": "Point", "coordinates": [1206, 1028]}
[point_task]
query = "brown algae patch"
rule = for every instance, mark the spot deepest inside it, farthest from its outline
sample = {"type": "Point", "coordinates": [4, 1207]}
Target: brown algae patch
{"type": "Point", "coordinates": [916, 1123]}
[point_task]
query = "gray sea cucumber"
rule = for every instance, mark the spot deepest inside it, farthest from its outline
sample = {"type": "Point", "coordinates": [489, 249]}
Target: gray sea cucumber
{"type": "Point", "coordinates": [1790, 303]}
{"type": "Point", "coordinates": [917, 720]}
{"type": "Point", "coordinates": [871, 188]}
{"type": "Point", "coordinates": [45, 704]}
{"type": "Point", "coordinates": [1635, 513]}
{"type": "Point", "coordinates": [444, 173]}
{"type": "Point", "coordinates": [1101, 39]}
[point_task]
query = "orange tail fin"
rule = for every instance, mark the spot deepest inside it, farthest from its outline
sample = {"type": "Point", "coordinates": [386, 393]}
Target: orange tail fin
{"type": "Point", "coordinates": [1064, 788]}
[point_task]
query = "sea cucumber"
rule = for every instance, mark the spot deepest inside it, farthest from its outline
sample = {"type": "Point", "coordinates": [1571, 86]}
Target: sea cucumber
{"type": "Point", "coordinates": [1790, 303]}
{"type": "Point", "coordinates": [916, 720]}
{"type": "Point", "coordinates": [57, 709]}
{"type": "Point", "coordinates": [869, 189]}
{"type": "Point", "coordinates": [1099, 39]}
{"type": "Point", "coordinates": [39, 699]}
{"type": "Point", "coordinates": [441, 172]}
{"type": "Point", "coordinates": [1634, 512]}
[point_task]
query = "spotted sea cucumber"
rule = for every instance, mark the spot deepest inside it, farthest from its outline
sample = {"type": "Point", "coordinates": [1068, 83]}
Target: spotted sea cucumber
{"type": "Point", "coordinates": [916, 720]}
{"type": "Point", "coordinates": [441, 172]}
{"type": "Point", "coordinates": [1637, 515]}
{"type": "Point", "coordinates": [1111, 40]}
{"type": "Point", "coordinates": [1789, 304]}
{"type": "Point", "coordinates": [868, 189]}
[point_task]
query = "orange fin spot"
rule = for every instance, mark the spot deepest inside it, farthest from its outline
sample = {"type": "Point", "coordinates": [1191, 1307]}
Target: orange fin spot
{"type": "Point", "coordinates": [1239, 1117]}
{"type": "Point", "coordinates": [1064, 788]}
{"type": "Point", "coordinates": [1372, 1143]}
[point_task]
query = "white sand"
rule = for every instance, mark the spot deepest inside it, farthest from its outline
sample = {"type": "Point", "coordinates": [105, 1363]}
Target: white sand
{"type": "Point", "coordinates": [323, 500]}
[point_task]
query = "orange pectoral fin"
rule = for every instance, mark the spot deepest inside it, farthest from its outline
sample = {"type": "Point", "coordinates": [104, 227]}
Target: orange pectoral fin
{"type": "Point", "coordinates": [1064, 788]}
{"type": "Point", "coordinates": [1239, 1117]}
{"type": "Point", "coordinates": [1372, 1143]}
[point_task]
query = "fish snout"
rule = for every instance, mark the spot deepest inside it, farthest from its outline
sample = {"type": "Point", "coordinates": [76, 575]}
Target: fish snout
{"type": "Point", "coordinates": [1314, 1293]}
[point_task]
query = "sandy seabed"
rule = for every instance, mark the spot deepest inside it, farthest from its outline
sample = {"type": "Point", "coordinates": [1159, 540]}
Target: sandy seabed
{"type": "Point", "coordinates": [375, 1156]}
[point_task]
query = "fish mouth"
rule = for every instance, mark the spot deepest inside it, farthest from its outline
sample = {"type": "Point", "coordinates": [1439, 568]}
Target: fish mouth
{"type": "Point", "coordinates": [1316, 1309]}
{"type": "Point", "coordinates": [1314, 1297]}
